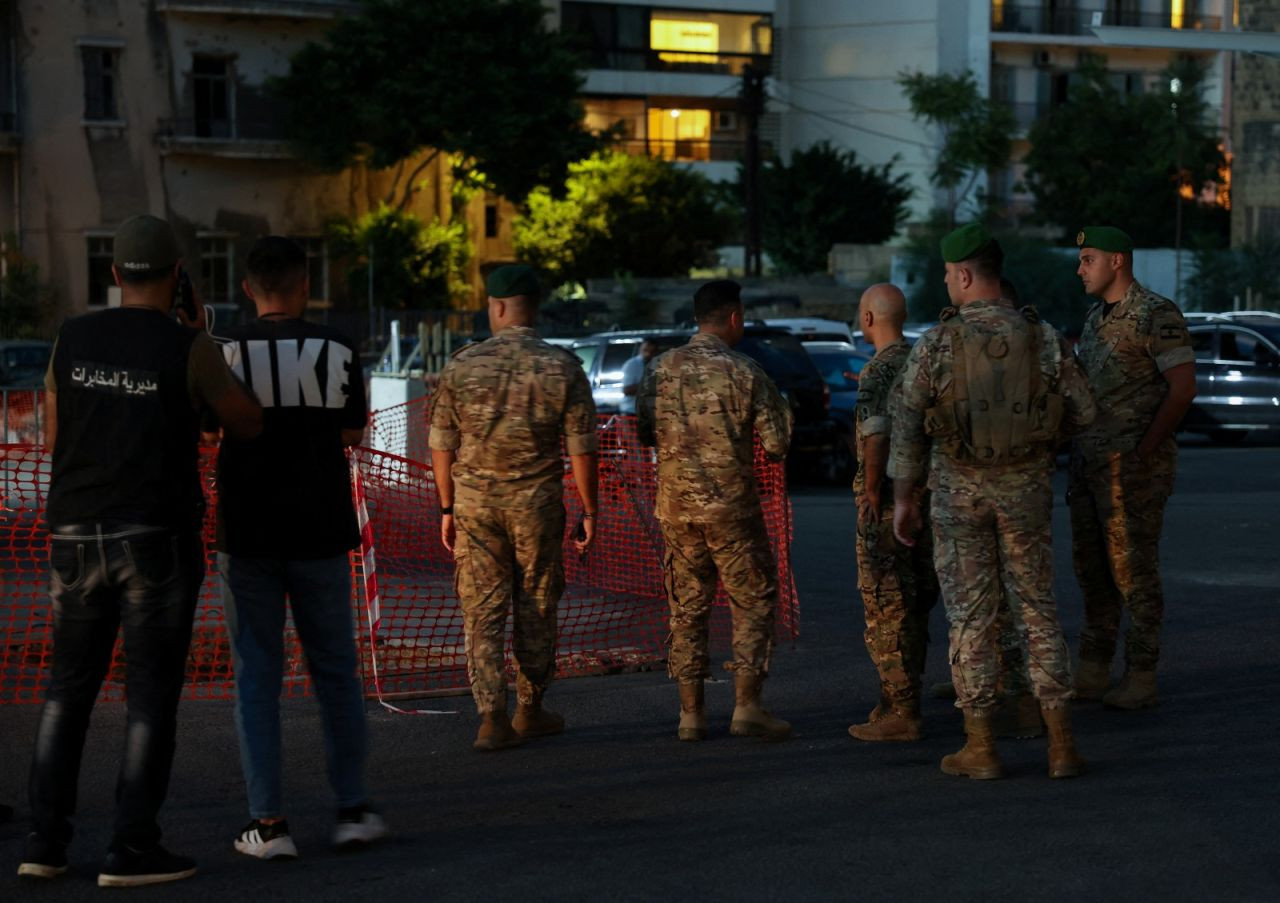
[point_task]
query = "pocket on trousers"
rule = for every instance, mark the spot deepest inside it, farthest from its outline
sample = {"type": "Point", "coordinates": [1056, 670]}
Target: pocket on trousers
{"type": "Point", "coordinates": [66, 561]}
{"type": "Point", "coordinates": [154, 558]}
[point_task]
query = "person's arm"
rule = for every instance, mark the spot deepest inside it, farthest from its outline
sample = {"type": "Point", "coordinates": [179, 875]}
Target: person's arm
{"type": "Point", "coordinates": [445, 439]}
{"type": "Point", "coordinates": [875, 452]}
{"type": "Point", "coordinates": [585, 478]}
{"type": "Point", "coordinates": [873, 423]}
{"type": "Point", "coordinates": [908, 444]}
{"type": "Point", "coordinates": [1170, 346]}
{"type": "Point", "coordinates": [442, 466]}
{"type": "Point", "coordinates": [581, 444]}
{"type": "Point", "coordinates": [772, 419]}
{"type": "Point", "coordinates": [632, 375]}
{"type": "Point", "coordinates": [212, 382]}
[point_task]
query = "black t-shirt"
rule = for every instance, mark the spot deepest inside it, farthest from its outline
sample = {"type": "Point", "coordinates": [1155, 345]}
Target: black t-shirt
{"type": "Point", "coordinates": [287, 493]}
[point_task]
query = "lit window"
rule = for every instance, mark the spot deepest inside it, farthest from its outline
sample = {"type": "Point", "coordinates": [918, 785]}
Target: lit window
{"type": "Point", "coordinates": [676, 134]}
{"type": "Point", "coordinates": [1176, 10]}
{"type": "Point", "coordinates": [666, 35]}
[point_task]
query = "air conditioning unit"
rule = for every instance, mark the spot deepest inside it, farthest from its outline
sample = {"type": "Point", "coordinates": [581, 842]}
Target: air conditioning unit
{"type": "Point", "coordinates": [1042, 58]}
{"type": "Point", "coordinates": [726, 121]}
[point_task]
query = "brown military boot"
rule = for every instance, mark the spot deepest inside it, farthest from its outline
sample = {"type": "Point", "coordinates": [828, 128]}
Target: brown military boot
{"type": "Point", "coordinates": [1092, 679]}
{"type": "Point", "coordinates": [897, 723]}
{"type": "Point", "coordinates": [1064, 760]}
{"type": "Point", "coordinates": [693, 711]}
{"type": "Point", "coordinates": [749, 719]}
{"type": "Point", "coordinates": [532, 720]}
{"type": "Point", "coordinates": [1018, 717]}
{"type": "Point", "coordinates": [1137, 690]}
{"type": "Point", "coordinates": [977, 759]}
{"type": "Point", "coordinates": [495, 733]}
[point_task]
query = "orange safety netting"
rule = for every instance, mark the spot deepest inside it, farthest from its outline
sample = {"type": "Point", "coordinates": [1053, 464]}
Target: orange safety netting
{"type": "Point", "coordinates": [613, 616]}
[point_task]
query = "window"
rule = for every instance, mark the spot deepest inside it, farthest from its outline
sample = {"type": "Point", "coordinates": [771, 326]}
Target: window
{"type": "Point", "coordinates": [586, 354]}
{"type": "Point", "coordinates": [616, 354]}
{"type": "Point", "coordinates": [100, 278]}
{"type": "Point", "coordinates": [215, 268]}
{"type": "Point", "coordinates": [317, 266]}
{"type": "Point", "coordinates": [101, 72]}
{"type": "Point", "coordinates": [680, 134]}
{"type": "Point", "coordinates": [490, 220]}
{"type": "Point", "coordinates": [1202, 344]}
{"type": "Point", "coordinates": [211, 85]}
{"type": "Point", "coordinates": [1240, 347]}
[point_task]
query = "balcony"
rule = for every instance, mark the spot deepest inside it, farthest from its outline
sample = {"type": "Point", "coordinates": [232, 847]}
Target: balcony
{"type": "Point", "coordinates": [1042, 20]}
{"type": "Point", "coordinates": [630, 60]}
{"type": "Point", "coordinates": [278, 9]}
{"type": "Point", "coordinates": [234, 139]}
{"type": "Point", "coordinates": [691, 150]}
{"type": "Point", "coordinates": [1025, 113]}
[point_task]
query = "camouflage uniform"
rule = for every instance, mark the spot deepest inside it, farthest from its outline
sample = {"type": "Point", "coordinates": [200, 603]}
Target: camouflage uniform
{"type": "Point", "coordinates": [898, 585]}
{"type": "Point", "coordinates": [700, 404]}
{"type": "Point", "coordinates": [991, 522]}
{"type": "Point", "coordinates": [504, 405]}
{"type": "Point", "coordinates": [1117, 505]}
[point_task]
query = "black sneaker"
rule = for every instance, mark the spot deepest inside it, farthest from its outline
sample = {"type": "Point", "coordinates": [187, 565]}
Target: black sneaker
{"type": "Point", "coordinates": [42, 858]}
{"type": "Point", "coordinates": [127, 867]}
{"type": "Point", "coordinates": [358, 826]}
{"type": "Point", "coordinates": [266, 841]}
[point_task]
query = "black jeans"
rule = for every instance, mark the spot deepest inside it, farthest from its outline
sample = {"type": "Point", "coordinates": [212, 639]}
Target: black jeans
{"type": "Point", "coordinates": [105, 576]}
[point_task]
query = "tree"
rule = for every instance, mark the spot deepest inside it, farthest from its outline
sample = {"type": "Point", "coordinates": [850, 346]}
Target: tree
{"type": "Point", "coordinates": [1129, 159]}
{"type": "Point", "coordinates": [409, 79]}
{"type": "Point", "coordinates": [24, 302]}
{"type": "Point", "coordinates": [824, 196]}
{"type": "Point", "coordinates": [977, 132]}
{"type": "Point", "coordinates": [415, 264]}
{"type": "Point", "coordinates": [1249, 274]}
{"type": "Point", "coordinates": [622, 214]}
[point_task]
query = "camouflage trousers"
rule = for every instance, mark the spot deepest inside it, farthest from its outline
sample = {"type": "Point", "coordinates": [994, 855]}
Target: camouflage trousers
{"type": "Point", "coordinates": [509, 559]}
{"type": "Point", "coordinates": [899, 588]}
{"type": "Point", "coordinates": [989, 552]}
{"type": "Point", "coordinates": [740, 553]}
{"type": "Point", "coordinates": [1117, 514]}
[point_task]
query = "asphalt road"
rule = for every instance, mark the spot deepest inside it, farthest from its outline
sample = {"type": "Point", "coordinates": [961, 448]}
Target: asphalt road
{"type": "Point", "coordinates": [1180, 802]}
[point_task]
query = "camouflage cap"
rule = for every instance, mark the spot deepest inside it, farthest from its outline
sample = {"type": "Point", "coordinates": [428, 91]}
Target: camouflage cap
{"type": "Point", "coordinates": [513, 279]}
{"type": "Point", "coordinates": [1105, 238]}
{"type": "Point", "coordinates": [145, 243]}
{"type": "Point", "coordinates": [964, 242]}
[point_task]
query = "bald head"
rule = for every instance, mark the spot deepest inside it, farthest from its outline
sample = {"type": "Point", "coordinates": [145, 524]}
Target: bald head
{"type": "Point", "coordinates": [881, 312]}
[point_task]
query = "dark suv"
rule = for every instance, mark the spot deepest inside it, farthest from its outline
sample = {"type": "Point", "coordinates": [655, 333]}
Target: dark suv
{"type": "Point", "coordinates": [818, 435]}
{"type": "Point", "coordinates": [1237, 375]}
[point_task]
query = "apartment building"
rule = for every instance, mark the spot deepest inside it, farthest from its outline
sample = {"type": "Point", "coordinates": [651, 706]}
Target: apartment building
{"type": "Point", "coordinates": [112, 108]}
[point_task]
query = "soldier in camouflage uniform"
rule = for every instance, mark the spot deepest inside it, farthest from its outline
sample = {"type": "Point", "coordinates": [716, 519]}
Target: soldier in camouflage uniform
{"type": "Point", "coordinates": [501, 409]}
{"type": "Point", "coordinates": [701, 404]}
{"type": "Point", "coordinates": [898, 583]}
{"type": "Point", "coordinates": [986, 396]}
{"type": "Point", "coordinates": [1137, 354]}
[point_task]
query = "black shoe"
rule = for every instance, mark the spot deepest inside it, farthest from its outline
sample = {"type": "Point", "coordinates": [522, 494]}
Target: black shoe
{"type": "Point", "coordinates": [42, 858]}
{"type": "Point", "coordinates": [127, 867]}
{"type": "Point", "coordinates": [266, 841]}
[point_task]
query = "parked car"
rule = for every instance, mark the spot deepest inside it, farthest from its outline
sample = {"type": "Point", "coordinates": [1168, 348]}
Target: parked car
{"type": "Point", "coordinates": [839, 363]}
{"type": "Point", "coordinates": [813, 329]}
{"type": "Point", "coordinates": [23, 363]}
{"type": "Point", "coordinates": [820, 436]}
{"type": "Point", "coordinates": [1237, 375]}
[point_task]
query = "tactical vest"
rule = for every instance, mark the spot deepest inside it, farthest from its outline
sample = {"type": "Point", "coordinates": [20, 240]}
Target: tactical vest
{"type": "Point", "coordinates": [997, 409]}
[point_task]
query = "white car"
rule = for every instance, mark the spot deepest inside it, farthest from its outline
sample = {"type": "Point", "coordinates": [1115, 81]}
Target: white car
{"type": "Point", "coordinates": [814, 329]}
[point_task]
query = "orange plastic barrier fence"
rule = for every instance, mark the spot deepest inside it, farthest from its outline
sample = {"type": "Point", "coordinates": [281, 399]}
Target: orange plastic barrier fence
{"type": "Point", "coordinates": [613, 616]}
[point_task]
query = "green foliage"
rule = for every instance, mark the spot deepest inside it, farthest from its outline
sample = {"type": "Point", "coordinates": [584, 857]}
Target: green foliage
{"type": "Point", "coordinates": [484, 79]}
{"type": "Point", "coordinates": [824, 196]}
{"type": "Point", "coordinates": [1250, 273]}
{"type": "Point", "coordinates": [620, 213]}
{"type": "Point", "coordinates": [1106, 157]}
{"type": "Point", "coordinates": [976, 131]}
{"type": "Point", "coordinates": [22, 297]}
{"type": "Point", "coordinates": [416, 264]}
{"type": "Point", "coordinates": [1044, 276]}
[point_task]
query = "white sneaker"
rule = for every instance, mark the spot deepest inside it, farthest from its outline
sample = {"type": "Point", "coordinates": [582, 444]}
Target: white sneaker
{"type": "Point", "coordinates": [357, 826]}
{"type": "Point", "coordinates": [266, 841]}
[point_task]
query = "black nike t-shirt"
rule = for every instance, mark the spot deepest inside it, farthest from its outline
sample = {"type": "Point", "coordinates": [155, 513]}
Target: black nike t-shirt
{"type": "Point", "coordinates": [287, 493]}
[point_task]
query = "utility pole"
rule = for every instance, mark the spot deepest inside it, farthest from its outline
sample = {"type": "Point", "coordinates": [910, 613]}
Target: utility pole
{"type": "Point", "coordinates": [751, 103]}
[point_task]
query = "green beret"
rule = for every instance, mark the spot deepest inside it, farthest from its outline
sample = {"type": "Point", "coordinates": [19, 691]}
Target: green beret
{"type": "Point", "coordinates": [964, 242]}
{"type": "Point", "coordinates": [145, 243]}
{"type": "Point", "coordinates": [1105, 238]}
{"type": "Point", "coordinates": [511, 280]}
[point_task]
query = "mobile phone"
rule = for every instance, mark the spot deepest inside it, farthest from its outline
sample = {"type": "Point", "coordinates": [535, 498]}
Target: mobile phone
{"type": "Point", "coordinates": [186, 300]}
{"type": "Point", "coordinates": [581, 533]}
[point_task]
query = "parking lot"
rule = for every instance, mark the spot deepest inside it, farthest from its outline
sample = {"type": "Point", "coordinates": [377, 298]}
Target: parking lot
{"type": "Point", "coordinates": [1179, 803]}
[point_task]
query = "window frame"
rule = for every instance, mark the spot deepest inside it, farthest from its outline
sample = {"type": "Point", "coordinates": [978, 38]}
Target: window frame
{"type": "Point", "coordinates": [206, 294]}
{"type": "Point", "coordinates": [109, 114]}
{"type": "Point", "coordinates": [107, 240]}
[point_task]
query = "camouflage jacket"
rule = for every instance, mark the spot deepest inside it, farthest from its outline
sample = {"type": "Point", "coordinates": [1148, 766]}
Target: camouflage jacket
{"type": "Point", "coordinates": [503, 405]}
{"type": "Point", "coordinates": [927, 379]}
{"type": "Point", "coordinates": [700, 404]}
{"type": "Point", "coordinates": [877, 382]}
{"type": "Point", "coordinates": [1124, 354]}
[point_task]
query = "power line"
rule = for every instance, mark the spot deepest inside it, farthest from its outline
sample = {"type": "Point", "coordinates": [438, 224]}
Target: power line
{"type": "Point", "coordinates": [849, 125]}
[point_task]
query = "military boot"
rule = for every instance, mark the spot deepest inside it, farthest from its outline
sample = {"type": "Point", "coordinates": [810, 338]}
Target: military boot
{"type": "Point", "coordinates": [1064, 760]}
{"type": "Point", "coordinates": [531, 719]}
{"type": "Point", "coordinates": [495, 733]}
{"type": "Point", "coordinates": [977, 759]}
{"type": "Point", "coordinates": [749, 719]}
{"type": "Point", "coordinates": [693, 711]}
{"type": "Point", "coordinates": [1092, 679]}
{"type": "Point", "coordinates": [1137, 690]}
{"type": "Point", "coordinates": [1018, 717]}
{"type": "Point", "coordinates": [900, 722]}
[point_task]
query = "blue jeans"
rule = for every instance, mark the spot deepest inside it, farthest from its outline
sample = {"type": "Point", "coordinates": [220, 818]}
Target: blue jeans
{"type": "Point", "coordinates": [319, 593]}
{"type": "Point", "coordinates": [106, 577]}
